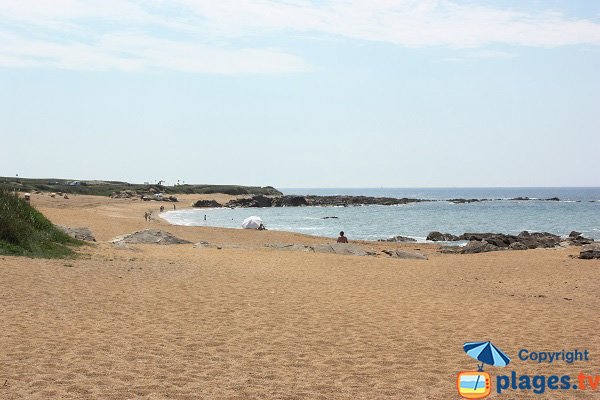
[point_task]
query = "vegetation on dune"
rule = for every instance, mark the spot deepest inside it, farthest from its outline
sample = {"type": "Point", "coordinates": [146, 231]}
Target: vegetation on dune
{"type": "Point", "coordinates": [25, 231]}
{"type": "Point", "coordinates": [107, 188]}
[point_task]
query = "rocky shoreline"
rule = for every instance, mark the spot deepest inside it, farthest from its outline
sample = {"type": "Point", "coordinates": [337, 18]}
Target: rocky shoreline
{"type": "Point", "coordinates": [486, 242]}
{"type": "Point", "coordinates": [337, 201]}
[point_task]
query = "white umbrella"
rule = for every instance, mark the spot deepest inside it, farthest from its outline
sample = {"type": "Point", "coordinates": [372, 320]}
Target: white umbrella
{"type": "Point", "coordinates": [252, 222]}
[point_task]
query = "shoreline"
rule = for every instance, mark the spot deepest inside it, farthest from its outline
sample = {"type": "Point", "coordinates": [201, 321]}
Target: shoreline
{"type": "Point", "coordinates": [238, 319]}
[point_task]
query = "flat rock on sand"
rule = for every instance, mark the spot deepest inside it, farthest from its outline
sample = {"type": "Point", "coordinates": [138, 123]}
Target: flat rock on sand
{"type": "Point", "coordinates": [405, 255]}
{"type": "Point", "coordinates": [332, 248]}
{"type": "Point", "coordinates": [150, 236]}
{"type": "Point", "coordinates": [78, 233]}
{"type": "Point", "coordinates": [339, 248]}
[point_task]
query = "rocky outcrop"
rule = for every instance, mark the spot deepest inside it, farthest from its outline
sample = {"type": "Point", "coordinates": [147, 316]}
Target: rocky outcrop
{"type": "Point", "coordinates": [463, 201]}
{"type": "Point", "coordinates": [529, 198]}
{"type": "Point", "coordinates": [538, 239]}
{"type": "Point", "coordinates": [346, 201]}
{"type": "Point", "coordinates": [576, 239]}
{"type": "Point", "coordinates": [482, 246]}
{"type": "Point", "coordinates": [254, 201]}
{"type": "Point", "coordinates": [436, 236]}
{"type": "Point", "coordinates": [149, 236]}
{"type": "Point", "coordinates": [78, 233]}
{"type": "Point", "coordinates": [206, 204]}
{"type": "Point", "coordinates": [289, 201]}
{"type": "Point", "coordinates": [590, 251]}
{"type": "Point", "coordinates": [298, 201]}
{"type": "Point", "coordinates": [398, 239]}
{"type": "Point", "coordinates": [485, 242]}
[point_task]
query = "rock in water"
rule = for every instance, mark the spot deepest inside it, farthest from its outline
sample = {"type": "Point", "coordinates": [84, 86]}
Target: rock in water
{"type": "Point", "coordinates": [150, 236]}
{"type": "Point", "coordinates": [398, 239]}
{"type": "Point", "coordinates": [590, 251]}
{"type": "Point", "coordinates": [436, 236]}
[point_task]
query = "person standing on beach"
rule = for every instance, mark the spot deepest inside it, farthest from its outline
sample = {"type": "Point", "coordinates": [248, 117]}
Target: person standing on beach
{"type": "Point", "coordinates": [342, 238]}
{"type": "Point", "coordinates": [146, 216]}
{"type": "Point", "coordinates": [174, 208]}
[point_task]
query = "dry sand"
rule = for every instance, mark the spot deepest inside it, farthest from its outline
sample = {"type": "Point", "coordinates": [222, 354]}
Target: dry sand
{"type": "Point", "coordinates": [245, 321]}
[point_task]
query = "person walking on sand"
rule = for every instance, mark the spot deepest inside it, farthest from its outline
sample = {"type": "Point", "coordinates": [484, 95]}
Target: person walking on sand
{"type": "Point", "coordinates": [174, 208]}
{"type": "Point", "coordinates": [146, 216]}
{"type": "Point", "coordinates": [162, 208]}
{"type": "Point", "coordinates": [342, 238]}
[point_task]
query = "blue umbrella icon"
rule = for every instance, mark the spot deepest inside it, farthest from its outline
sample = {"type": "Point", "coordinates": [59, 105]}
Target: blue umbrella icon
{"type": "Point", "coordinates": [487, 353]}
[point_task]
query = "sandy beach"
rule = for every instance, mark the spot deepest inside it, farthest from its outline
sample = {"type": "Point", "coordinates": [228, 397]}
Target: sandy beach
{"type": "Point", "coordinates": [246, 321]}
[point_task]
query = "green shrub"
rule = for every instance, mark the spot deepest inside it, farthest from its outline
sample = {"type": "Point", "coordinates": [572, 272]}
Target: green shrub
{"type": "Point", "coordinates": [25, 231]}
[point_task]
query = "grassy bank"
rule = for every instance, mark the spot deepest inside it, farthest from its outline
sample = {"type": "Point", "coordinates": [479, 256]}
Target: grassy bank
{"type": "Point", "coordinates": [107, 188]}
{"type": "Point", "coordinates": [24, 231]}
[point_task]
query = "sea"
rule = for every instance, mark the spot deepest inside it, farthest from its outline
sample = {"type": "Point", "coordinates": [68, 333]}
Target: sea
{"type": "Point", "coordinates": [578, 209]}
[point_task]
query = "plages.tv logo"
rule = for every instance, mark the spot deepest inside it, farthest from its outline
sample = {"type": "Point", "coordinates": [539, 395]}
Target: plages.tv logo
{"type": "Point", "coordinates": [478, 384]}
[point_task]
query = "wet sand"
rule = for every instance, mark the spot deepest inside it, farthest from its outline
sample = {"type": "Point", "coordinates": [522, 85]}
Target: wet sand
{"type": "Point", "coordinates": [246, 321]}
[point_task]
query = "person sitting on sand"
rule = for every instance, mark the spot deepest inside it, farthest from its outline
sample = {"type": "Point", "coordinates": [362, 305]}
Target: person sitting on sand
{"type": "Point", "coordinates": [262, 227]}
{"type": "Point", "coordinates": [342, 238]}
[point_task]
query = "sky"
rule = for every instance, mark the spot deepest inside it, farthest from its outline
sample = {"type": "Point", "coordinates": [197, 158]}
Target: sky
{"type": "Point", "coordinates": [299, 93]}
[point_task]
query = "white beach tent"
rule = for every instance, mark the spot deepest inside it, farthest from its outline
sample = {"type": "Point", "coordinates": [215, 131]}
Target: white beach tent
{"type": "Point", "coordinates": [252, 222]}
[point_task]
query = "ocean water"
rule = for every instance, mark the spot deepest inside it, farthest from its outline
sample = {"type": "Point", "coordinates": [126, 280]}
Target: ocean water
{"type": "Point", "coordinates": [578, 209]}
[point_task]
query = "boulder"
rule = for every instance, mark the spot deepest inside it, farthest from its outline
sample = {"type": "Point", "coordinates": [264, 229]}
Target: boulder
{"type": "Point", "coordinates": [476, 246]}
{"type": "Point", "coordinates": [150, 236]}
{"type": "Point", "coordinates": [590, 251]}
{"type": "Point", "coordinates": [501, 240]}
{"type": "Point", "coordinates": [206, 204]}
{"type": "Point", "coordinates": [576, 239]}
{"type": "Point", "coordinates": [517, 246]}
{"type": "Point", "coordinates": [441, 237]}
{"type": "Point", "coordinates": [398, 239]}
{"type": "Point", "coordinates": [476, 236]}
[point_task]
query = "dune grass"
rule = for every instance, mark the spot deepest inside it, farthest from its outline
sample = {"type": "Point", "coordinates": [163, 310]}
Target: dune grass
{"type": "Point", "coordinates": [24, 231]}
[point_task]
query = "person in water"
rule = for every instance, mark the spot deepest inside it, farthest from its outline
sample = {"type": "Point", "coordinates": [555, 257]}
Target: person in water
{"type": "Point", "coordinates": [342, 238]}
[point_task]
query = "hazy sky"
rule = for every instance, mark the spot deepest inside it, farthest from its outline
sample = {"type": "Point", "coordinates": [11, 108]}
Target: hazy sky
{"type": "Point", "coordinates": [302, 93]}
